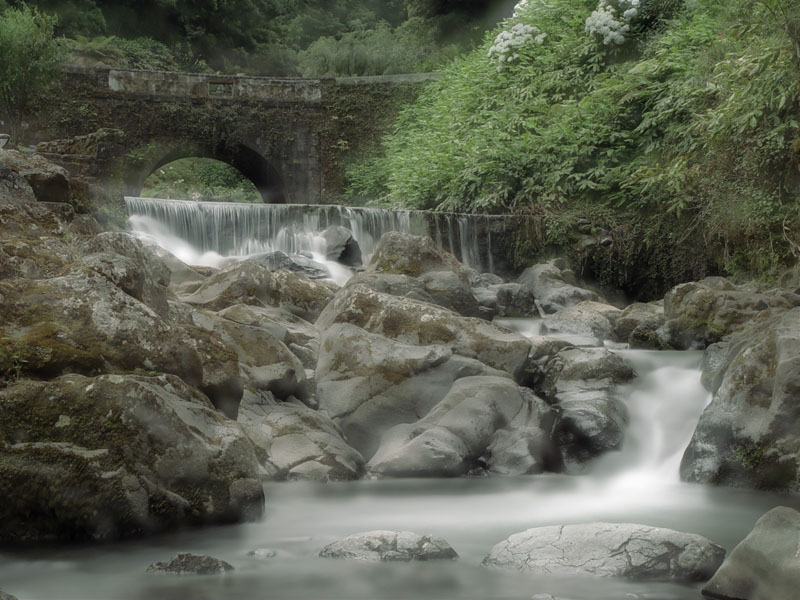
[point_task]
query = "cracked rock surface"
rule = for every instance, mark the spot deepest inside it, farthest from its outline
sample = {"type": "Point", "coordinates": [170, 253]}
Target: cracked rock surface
{"type": "Point", "coordinates": [609, 550]}
{"type": "Point", "coordinates": [384, 545]}
{"type": "Point", "coordinates": [191, 564]}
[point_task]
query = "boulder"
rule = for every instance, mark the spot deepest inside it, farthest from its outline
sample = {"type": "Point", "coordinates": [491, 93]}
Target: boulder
{"type": "Point", "coordinates": [83, 323]}
{"type": "Point", "coordinates": [635, 316]}
{"type": "Point", "coordinates": [277, 260]}
{"type": "Point", "coordinates": [456, 433]}
{"type": "Point", "coordinates": [585, 320]}
{"type": "Point", "coordinates": [583, 383]}
{"type": "Point", "coordinates": [514, 300]}
{"type": "Point", "coordinates": [5, 596]}
{"type": "Point", "coordinates": [368, 383]}
{"type": "Point", "coordinates": [295, 442]}
{"type": "Point", "coordinates": [49, 182]}
{"type": "Point", "coordinates": [747, 436]}
{"type": "Point", "coordinates": [482, 280]}
{"type": "Point", "coordinates": [263, 361]}
{"type": "Point", "coordinates": [703, 312]}
{"type": "Point", "coordinates": [764, 565]}
{"type": "Point", "coordinates": [609, 550]}
{"type": "Point", "coordinates": [552, 290]}
{"type": "Point", "coordinates": [417, 323]}
{"type": "Point", "coordinates": [382, 545]}
{"type": "Point", "coordinates": [116, 456]}
{"type": "Point", "coordinates": [442, 288]}
{"type": "Point", "coordinates": [131, 266]}
{"type": "Point", "coordinates": [341, 246]}
{"type": "Point", "coordinates": [191, 564]}
{"type": "Point", "coordinates": [413, 255]}
{"type": "Point", "coordinates": [248, 282]}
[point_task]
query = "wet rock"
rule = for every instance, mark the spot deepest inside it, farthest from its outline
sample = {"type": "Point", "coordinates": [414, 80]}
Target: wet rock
{"type": "Point", "coordinates": [368, 383]}
{"type": "Point", "coordinates": [248, 282]}
{"type": "Point", "coordinates": [514, 300]}
{"type": "Point", "coordinates": [449, 440]}
{"type": "Point", "coordinates": [191, 564]}
{"type": "Point", "coordinates": [422, 324]}
{"type": "Point", "coordinates": [263, 553]}
{"type": "Point", "coordinates": [591, 320]}
{"type": "Point", "coordinates": [609, 550]}
{"type": "Point", "coordinates": [5, 596]}
{"type": "Point", "coordinates": [49, 182]}
{"type": "Point", "coordinates": [639, 316]}
{"type": "Point", "coordinates": [702, 313]}
{"type": "Point", "coordinates": [583, 383]}
{"type": "Point", "coordinates": [275, 261]}
{"type": "Point", "coordinates": [747, 436]}
{"type": "Point", "coordinates": [413, 255]}
{"type": "Point", "coordinates": [295, 442]}
{"type": "Point", "coordinates": [382, 545]}
{"type": "Point", "coordinates": [132, 267]}
{"type": "Point", "coordinates": [117, 456]}
{"type": "Point", "coordinates": [443, 288]}
{"type": "Point", "coordinates": [552, 290]}
{"type": "Point", "coordinates": [341, 246]}
{"type": "Point", "coordinates": [764, 565]}
{"type": "Point", "coordinates": [482, 280]}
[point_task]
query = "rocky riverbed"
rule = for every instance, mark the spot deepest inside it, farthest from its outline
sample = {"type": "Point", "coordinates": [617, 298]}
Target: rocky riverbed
{"type": "Point", "coordinates": [140, 394]}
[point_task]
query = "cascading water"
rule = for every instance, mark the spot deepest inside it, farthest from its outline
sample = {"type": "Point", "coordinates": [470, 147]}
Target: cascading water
{"type": "Point", "coordinates": [215, 233]}
{"type": "Point", "coordinates": [639, 485]}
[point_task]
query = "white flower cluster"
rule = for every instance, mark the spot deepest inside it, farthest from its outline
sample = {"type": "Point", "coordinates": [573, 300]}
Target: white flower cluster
{"type": "Point", "coordinates": [508, 42]}
{"type": "Point", "coordinates": [611, 21]}
{"type": "Point", "coordinates": [520, 8]}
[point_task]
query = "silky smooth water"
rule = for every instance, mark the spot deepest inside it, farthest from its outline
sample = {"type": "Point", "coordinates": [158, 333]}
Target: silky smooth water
{"type": "Point", "coordinates": [638, 484]}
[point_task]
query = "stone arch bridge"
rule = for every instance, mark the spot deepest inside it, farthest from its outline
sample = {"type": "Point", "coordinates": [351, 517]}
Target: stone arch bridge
{"type": "Point", "coordinates": [290, 136]}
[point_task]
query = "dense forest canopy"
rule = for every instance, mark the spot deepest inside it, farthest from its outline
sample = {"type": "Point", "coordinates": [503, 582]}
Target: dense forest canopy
{"type": "Point", "coordinates": [272, 37]}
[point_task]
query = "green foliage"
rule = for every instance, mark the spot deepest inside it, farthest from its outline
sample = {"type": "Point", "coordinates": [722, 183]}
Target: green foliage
{"type": "Point", "coordinates": [695, 115]}
{"type": "Point", "coordinates": [29, 61]}
{"type": "Point", "coordinates": [200, 179]}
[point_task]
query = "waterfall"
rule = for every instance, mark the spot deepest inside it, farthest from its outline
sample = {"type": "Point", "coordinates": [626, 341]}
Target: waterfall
{"type": "Point", "coordinates": [207, 233]}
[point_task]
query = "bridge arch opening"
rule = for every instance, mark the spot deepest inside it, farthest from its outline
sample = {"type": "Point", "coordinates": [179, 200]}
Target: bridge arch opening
{"type": "Point", "coordinates": [252, 166]}
{"type": "Point", "coordinates": [205, 179]}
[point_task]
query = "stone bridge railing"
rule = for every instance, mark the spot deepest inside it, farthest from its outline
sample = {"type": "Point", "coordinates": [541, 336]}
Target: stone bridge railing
{"type": "Point", "coordinates": [174, 86]}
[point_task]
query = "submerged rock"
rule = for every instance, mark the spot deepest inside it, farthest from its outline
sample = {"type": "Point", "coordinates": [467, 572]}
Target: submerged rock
{"type": "Point", "coordinates": [609, 550]}
{"type": "Point", "coordinates": [764, 566]}
{"type": "Point", "coordinates": [382, 545]}
{"type": "Point", "coordinates": [191, 564]}
{"type": "Point", "coordinates": [747, 436]}
{"type": "Point", "coordinates": [116, 456]}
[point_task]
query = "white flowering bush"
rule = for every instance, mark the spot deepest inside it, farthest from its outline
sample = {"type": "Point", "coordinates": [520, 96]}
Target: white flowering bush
{"type": "Point", "coordinates": [509, 42]}
{"type": "Point", "coordinates": [612, 20]}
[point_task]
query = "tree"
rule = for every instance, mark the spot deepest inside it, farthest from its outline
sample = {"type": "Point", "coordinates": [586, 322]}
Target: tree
{"type": "Point", "coordinates": [29, 62]}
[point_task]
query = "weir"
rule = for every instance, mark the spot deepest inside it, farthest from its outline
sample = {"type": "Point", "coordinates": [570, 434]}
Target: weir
{"type": "Point", "coordinates": [232, 229]}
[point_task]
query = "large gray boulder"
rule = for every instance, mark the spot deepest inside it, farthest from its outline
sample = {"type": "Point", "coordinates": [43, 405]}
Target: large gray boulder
{"type": "Point", "coordinates": [443, 288]}
{"type": "Point", "coordinates": [451, 438]}
{"type": "Point", "coordinates": [583, 383]}
{"type": "Point", "coordinates": [294, 442]}
{"type": "Point", "coordinates": [116, 456]}
{"type": "Point", "coordinates": [703, 312]}
{"type": "Point", "coordinates": [418, 323]}
{"type": "Point", "coordinates": [551, 289]}
{"type": "Point", "coordinates": [83, 324]}
{"type": "Point", "coordinates": [133, 267]}
{"type": "Point", "coordinates": [383, 545]}
{"type": "Point", "coordinates": [248, 282]}
{"type": "Point", "coordinates": [341, 246]}
{"type": "Point", "coordinates": [49, 182]}
{"type": "Point", "coordinates": [638, 323]}
{"type": "Point", "coordinates": [764, 566]}
{"type": "Point", "coordinates": [609, 550]}
{"type": "Point", "coordinates": [413, 255]}
{"type": "Point", "coordinates": [747, 436]}
{"type": "Point", "coordinates": [368, 383]}
{"type": "Point", "coordinates": [277, 260]}
{"type": "Point", "coordinates": [586, 320]}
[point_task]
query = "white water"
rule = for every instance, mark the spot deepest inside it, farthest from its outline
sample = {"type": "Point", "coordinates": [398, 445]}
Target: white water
{"type": "Point", "coordinates": [217, 233]}
{"type": "Point", "coordinates": [639, 484]}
